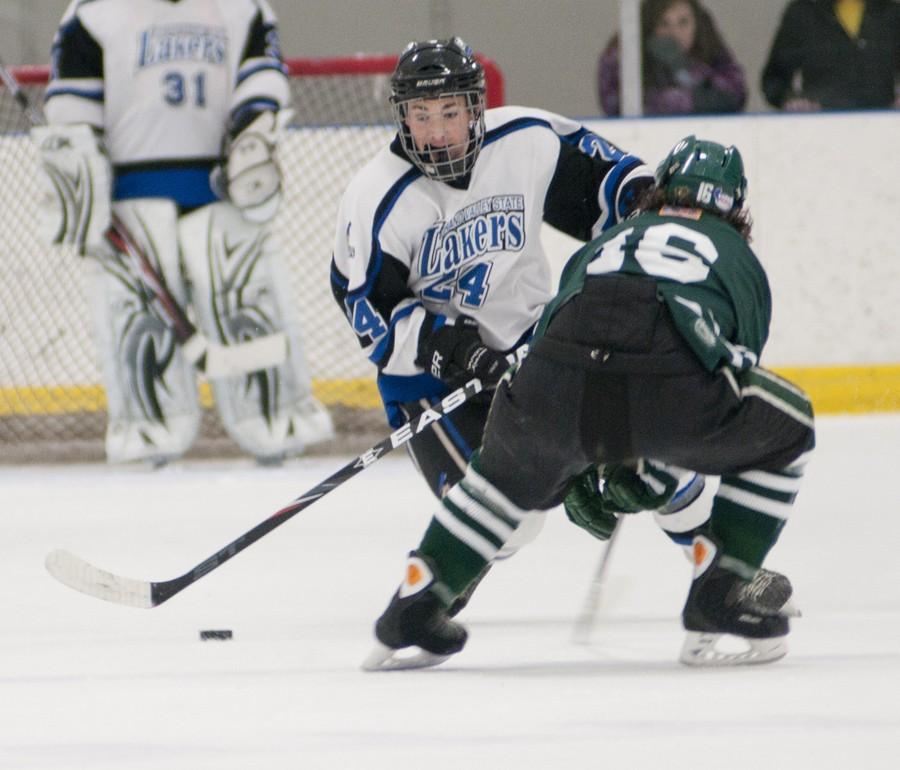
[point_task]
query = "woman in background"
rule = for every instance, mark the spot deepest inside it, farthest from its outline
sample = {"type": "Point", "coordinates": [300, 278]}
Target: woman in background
{"type": "Point", "coordinates": [687, 67]}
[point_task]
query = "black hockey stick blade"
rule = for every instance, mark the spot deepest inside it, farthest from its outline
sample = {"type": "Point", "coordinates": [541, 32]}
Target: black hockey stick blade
{"type": "Point", "coordinates": [76, 573]}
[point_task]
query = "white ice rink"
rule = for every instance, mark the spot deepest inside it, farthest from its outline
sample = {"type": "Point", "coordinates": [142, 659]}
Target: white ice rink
{"type": "Point", "coordinates": [85, 684]}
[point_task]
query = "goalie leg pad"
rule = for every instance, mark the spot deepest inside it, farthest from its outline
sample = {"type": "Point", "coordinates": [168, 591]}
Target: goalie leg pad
{"type": "Point", "coordinates": [151, 388]}
{"type": "Point", "coordinates": [153, 224]}
{"type": "Point", "coordinates": [239, 293]}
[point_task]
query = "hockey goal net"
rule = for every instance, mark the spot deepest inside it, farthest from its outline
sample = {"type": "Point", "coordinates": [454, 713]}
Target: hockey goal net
{"type": "Point", "coordinates": [52, 402]}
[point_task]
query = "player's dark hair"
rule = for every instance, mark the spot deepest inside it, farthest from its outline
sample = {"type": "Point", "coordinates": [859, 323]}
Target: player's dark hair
{"type": "Point", "coordinates": [654, 198]}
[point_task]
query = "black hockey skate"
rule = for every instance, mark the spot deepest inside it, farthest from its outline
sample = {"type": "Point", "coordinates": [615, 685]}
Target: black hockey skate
{"type": "Point", "coordinates": [768, 588]}
{"type": "Point", "coordinates": [720, 604]}
{"type": "Point", "coordinates": [773, 591]}
{"type": "Point", "coordinates": [462, 601]}
{"type": "Point", "coordinates": [416, 618]}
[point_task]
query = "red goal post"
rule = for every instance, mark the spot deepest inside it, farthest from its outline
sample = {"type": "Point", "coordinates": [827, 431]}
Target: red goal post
{"type": "Point", "coordinates": [52, 403]}
{"type": "Point", "coordinates": [383, 65]}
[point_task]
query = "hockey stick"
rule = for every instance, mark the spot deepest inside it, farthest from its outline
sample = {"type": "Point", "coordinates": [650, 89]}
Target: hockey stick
{"type": "Point", "coordinates": [214, 359]}
{"type": "Point", "coordinates": [82, 576]}
{"type": "Point", "coordinates": [686, 493]}
{"type": "Point", "coordinates": [584, 624]}
{"type": "Point", "coordinates": [12, 85]}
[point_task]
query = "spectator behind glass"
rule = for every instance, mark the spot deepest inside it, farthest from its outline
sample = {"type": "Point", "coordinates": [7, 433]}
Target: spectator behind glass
{"type": "Point", "coordinates": [687, 68]}
{"type": "Point", "coordinates": [834, 55]}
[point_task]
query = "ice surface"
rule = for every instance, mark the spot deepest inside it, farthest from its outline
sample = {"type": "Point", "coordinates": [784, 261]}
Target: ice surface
{"type": "Point", "coordinates": [86, 684]}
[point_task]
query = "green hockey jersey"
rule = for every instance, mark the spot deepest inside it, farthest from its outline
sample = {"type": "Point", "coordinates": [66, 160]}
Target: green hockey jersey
{"type": "Point", "coordinates": [707, 275]}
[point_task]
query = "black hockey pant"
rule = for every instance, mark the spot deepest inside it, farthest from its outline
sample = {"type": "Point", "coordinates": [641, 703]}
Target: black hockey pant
{"type": "Point", "coordinates": [613, 380]}
{"type": "Point", "coordinates": [442, 453]}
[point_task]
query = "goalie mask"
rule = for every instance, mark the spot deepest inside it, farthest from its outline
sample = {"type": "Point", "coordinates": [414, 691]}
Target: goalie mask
{"type": "Point", "coordinates": [704, 174]}
{"type": "Point", "coordinates": [437, 97]}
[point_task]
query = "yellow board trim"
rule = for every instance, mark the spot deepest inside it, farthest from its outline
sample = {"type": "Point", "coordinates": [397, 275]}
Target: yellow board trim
{"type": "Point", "coordinates": [59, 399]}
{"type": "Point", "coordinates": [848, 389]}
{"type": "Point", "coordinates": [833, 389]}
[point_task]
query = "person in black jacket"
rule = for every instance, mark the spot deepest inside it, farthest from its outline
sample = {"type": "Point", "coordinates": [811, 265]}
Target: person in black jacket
{"type": "Point", "coordinates": [835, 55]}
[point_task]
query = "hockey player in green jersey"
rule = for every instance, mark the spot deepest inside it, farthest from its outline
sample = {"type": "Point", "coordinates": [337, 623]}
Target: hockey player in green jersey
{"type": "Point", "coordinates": [647, 358]}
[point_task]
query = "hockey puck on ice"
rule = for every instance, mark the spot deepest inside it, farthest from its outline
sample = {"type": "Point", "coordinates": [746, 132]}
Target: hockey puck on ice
{"type": "Point", "coordinates": [215, 634]}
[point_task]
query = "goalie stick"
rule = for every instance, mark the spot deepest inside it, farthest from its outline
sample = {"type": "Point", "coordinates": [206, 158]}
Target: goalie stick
{"type": "Point", "coordinates": [78, 574]}
{"type": "Point", "coordinates": [214, 359]}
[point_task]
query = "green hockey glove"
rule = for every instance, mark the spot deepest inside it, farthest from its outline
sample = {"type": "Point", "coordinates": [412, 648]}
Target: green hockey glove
{"type": "Point", "coordinates": [585, 508]}
{"type": "Point", "coordinates": [625, 491]}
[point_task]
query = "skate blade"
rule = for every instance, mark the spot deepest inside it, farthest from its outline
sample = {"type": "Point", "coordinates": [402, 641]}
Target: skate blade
{"type": "Point", "coordinates": [384, 658]}
{"type": "Point", "coordinates": [790, 610]}
{"type": "Point", "coordinates": [701, 649]}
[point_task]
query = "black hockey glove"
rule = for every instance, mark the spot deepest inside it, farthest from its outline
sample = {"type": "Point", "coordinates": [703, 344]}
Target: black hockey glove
{"type": "Point", "coordinates": [455, 353]}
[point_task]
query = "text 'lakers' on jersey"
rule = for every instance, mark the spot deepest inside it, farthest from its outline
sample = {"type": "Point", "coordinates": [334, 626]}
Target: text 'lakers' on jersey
{"type": "Point", "coordinates": [412, 253]}
{"type": "Point", "coordinates": [165, 93]}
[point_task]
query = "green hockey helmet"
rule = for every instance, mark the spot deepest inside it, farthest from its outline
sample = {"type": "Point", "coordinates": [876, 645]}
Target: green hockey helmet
{"type": "Point", "coordinates": [704, 174]}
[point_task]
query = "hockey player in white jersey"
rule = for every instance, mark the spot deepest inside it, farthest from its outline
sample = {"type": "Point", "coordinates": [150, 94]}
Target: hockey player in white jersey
{"type": "Point", "coordinates": [439, 268]}
{"type": "Point", "coordinates": [148, 100]}
{"type": "Point", "coordinates": [438, 263]}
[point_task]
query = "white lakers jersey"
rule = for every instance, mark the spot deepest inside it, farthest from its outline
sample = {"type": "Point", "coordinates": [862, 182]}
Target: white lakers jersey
{"type": "Point", "coordinates": [411, 253]}
{"type": "Point", "coordinates": [162, 79]}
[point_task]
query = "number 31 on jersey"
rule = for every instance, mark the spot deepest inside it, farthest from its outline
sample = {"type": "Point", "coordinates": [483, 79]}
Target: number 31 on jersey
{"type": "Point", "coordinates": [179, 89]}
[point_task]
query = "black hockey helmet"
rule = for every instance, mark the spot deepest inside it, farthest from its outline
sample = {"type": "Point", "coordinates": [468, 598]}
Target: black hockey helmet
{"type": "Point", "coordinates": [433, 69]}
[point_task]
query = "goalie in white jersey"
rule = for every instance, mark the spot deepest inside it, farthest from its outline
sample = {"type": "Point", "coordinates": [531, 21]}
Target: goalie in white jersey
{"type": "Point", "coordinates": [149, 100]}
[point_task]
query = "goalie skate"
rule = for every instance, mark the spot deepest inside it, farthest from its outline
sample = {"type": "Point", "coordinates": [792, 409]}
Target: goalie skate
{"type": "Point", "coordinates": [312, 421]}
{"type": "Point", "coordinates": [725, 625]}
{"type": "Point", "coordinates": [415, 631]}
